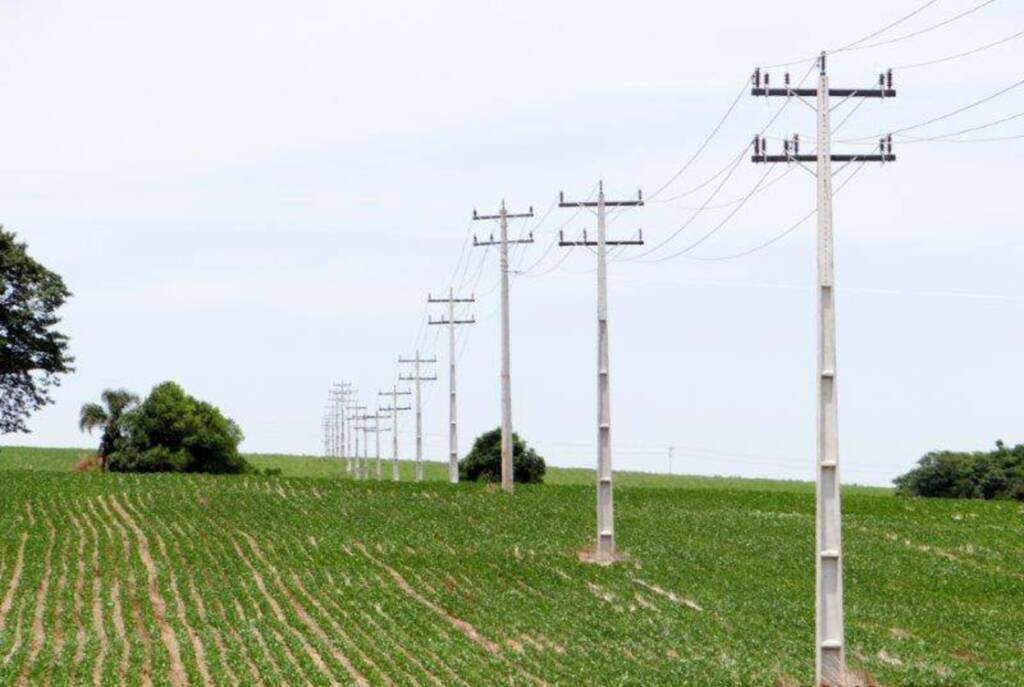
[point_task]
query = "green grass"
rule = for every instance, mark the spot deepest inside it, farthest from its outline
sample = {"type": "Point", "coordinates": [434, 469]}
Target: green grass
{"type": "Point", "coordinates": [322, 580]}
{"type": "Point", "coordinates": [64, 459]}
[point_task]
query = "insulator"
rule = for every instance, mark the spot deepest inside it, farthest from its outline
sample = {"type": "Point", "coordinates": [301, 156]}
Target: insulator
{"type": "Point", "coordinates": [888, 79]}
{"type": "Point", "coordinates": [796, 144]}
{"type": "Point", "coordinates": [787, 79]}
{"type": "Point", "coordinates": [785, 146]}
{"type": "Point", "coordinates": [767, 80]}
{"type": "Point", "coordinates": [888, 142]}
{"type": "Point", "coordinates": [757, 77]}
{"type": "Point", "coordinates": [881, 80]}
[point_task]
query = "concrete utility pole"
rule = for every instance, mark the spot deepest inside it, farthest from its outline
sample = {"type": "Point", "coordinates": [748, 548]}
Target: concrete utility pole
{"type": "Point", "coordinates": [339, 395]}
{"type": "Point", "coordinates": [453, 432]}
{"type": "Point", "coordinates": [417, 377]}
{"type": "Point", "coordinates": [503, 217]}
{"type": "Point", "coordinates": [830, 661]}
{"type": "Point", "coordinates": [394, 408]}
{"type": "Point", "coordinates": [605, 550]}
{"type": "Point", "coordinates": [355, 427]}
{"type": "Point", "coordinates": [376, 430]}
{"type": "Point", "coordinates": [671, 454]}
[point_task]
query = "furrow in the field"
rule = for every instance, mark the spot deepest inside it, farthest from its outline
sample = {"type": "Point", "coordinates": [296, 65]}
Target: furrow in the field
{"type": "Point", "coordinates": [177, 535]}
{"type": "Point", "coordinates": [235, 640]}
{"type": "Point", "coordinates": [97, 603]}
{"type": "Point", "coordinates": [141, 631]}
{"type": "Point", "coordinates": [59, 637]}
{"type": "Point", "coordinates": [255, 626]}
{"type": "Point", "coordinates": [217, 559]}
{"type": "Point", "coordinates": [468, 630]}
{"type": "Point", "coordinates": [197, 644]}
{"type": "Point", "coordinates": [12, 585]}
{"type": "Point", "coordinates": [414, 625]}
{"type": "Point", "coordinates": [116, 616]}
{"type": "Point", "coordinates": [366, 648]}
{"type": "Point", "coordinates": [338, 604]}
{"type": "Point", "coordinates": [279, 615]}
{"type": "Point", "coordinates": [17, 638]}
{"type": "Point", "coordinates": [79, 598]}
{"type": "Point", "coordinates": [176, 670]}
{"type": "Point", "coordinates": [38, 637]}
{"type": "Point", "coordinates": [436, 580]}
{"type": "Point", "coordinates": [301, 613]}
{"type": "Point", "coordinates": [340, 632]}
{"type": "Point", "coordinates": [394, 641]}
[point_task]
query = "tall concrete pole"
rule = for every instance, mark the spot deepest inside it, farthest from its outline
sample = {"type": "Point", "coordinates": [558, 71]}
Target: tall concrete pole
{"type": "Point", "coordinates": [506, 362]}
{"type": "Point", "coordinates": [830, 664]}
{"type": "Point", "coordinates": [829, 578]}
{"type": "Point", "coordinates": [506, 356]}
{"type": "Point", "coordinates": [453, 431]}
{"type": "Point", "coordinates": [605, 506]}
{"type": "Point", "coordinates": [394, 409]}
{"type": "Point", "coordinates": [418, 378]}
{"type": "Point", "coordinates": [605, 549]}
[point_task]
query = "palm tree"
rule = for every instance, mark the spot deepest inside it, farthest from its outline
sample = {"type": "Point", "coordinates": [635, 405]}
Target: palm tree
{"type": "Point", "coordinates": [93, 415]}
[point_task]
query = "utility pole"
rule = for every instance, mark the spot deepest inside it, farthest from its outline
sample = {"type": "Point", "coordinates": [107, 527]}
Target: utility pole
{"type": "Point", "coordinates": [605, 550]}
{"type": "Point", "coordinates": [355, 426]}
{"type": "Point", "coordinates": [394, 408]}
{"type": "Point", "coordinates": [339, 394]}
{"type": "Point", "coordinates": [503, 217]}
{"type": "Point", "coordinates": [325, 427]}
{"type": "Point", "coordinates": [376, 430]}
{"type": "Point", "coordinates": [671, 454]}
{"type": "Point", "coordinates": [417, 377]}
{"type": "Point", "coordinates": [830, 661]}
{"type": "Point", "coordinates": [453, 432]}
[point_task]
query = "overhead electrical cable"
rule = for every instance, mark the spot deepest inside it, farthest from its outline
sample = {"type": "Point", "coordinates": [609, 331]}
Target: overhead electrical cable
{"type": "Point", "coordinates": [957, 56]}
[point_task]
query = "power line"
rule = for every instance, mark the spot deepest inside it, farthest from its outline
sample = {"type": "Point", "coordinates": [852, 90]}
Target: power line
{"type": "Point", "coordinates": [914, 139]}
{"type": "Point", "coordinates": [920, 32]}
{"type": "Point", "coordinates": [940, 118]}
{"type": "Point", "coordinates": [962, 54]}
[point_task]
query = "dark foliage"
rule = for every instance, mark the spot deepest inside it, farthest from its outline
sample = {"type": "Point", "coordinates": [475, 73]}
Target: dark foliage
{"type": "Point", "coordinates": [483, 463]}
{"type": "Point", "coordinates": [997, 474]}
{"type": "Point", "coordinates": [33, 354]}
{"type": "Point", "coordinates": [173, 432]}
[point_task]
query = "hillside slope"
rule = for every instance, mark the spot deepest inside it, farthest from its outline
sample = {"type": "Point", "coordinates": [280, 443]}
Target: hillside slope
{"type": "Point", "coordinates": [171, 579]}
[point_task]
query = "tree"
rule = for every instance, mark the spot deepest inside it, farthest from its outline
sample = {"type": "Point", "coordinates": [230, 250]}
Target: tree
{"type": "Point", "coordinates": [174, 432]}
{"type": "Point", "coordinates": [110, 418]}
{"type": "Point", "coordinates": [483, 463]}
{"type": "Point", "coordinates": [997, 474]}
{"type": "Point", "coordinates": [33, 354]}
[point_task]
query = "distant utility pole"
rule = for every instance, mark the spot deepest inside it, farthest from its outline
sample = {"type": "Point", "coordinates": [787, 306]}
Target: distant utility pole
{"type": "Point", "coordinates": [394, 408]}
{"type": "Point", "coordinates": [376, 429]}
{"type": "Point", "coordinates": [355, 426]}
{"type": "Point", "coordinates": [605, 507]}
{"type": "Point", "coordinates": [830, 661]}
{"type": "Point", "coordinates": [417, 377]}
{"type": "Point", "coordinates": [325, 428]}
{"type": "Point", "coordinates": [339, 394]}
{"type": "Point", "coordinates": [503, 217]}
{"type": "Point", "coordinates": [453, 432]}
{"type": "Point", "coordinates": [671, 453]}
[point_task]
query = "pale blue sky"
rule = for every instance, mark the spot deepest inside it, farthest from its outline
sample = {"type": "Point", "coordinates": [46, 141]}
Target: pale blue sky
{"type": "Point", "coordinates": [255, 198]}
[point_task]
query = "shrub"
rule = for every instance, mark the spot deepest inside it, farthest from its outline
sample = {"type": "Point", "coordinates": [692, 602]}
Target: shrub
{"type": "Point", "coordinates": [173, 432]}
{"type": "Point", "coordinates": [483, 463]}
{"type": "Point", "coordinates": [997, 474]}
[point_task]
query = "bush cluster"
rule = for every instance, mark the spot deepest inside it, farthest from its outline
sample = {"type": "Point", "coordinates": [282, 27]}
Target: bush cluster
{"type": "Point", "coordinates": [483, 463]}
{"type": "Point", "coordinates": [173, 432]}
{"type": "Point", "coordinates": [997, 474]}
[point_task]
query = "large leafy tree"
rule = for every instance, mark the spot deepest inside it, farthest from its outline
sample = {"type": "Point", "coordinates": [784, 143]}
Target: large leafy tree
{"type": "Point", "coordinates": [173, 432]}
{"type": "Point", "coordinates": [109, 416]}
{"type": "Point", "coordinates": [33, 354]}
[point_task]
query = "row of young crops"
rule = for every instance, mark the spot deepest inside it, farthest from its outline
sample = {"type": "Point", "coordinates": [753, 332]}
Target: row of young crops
{"type": "Point", "coordinates": [114, 579]}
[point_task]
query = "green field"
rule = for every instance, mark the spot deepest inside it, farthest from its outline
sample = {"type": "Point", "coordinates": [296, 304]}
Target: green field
{"type": "Point", "coordinates": [157, 579]}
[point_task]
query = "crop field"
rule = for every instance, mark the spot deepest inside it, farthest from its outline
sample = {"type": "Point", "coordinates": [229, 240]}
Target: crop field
{"type": "Point", "coordinates": [172, 579]}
